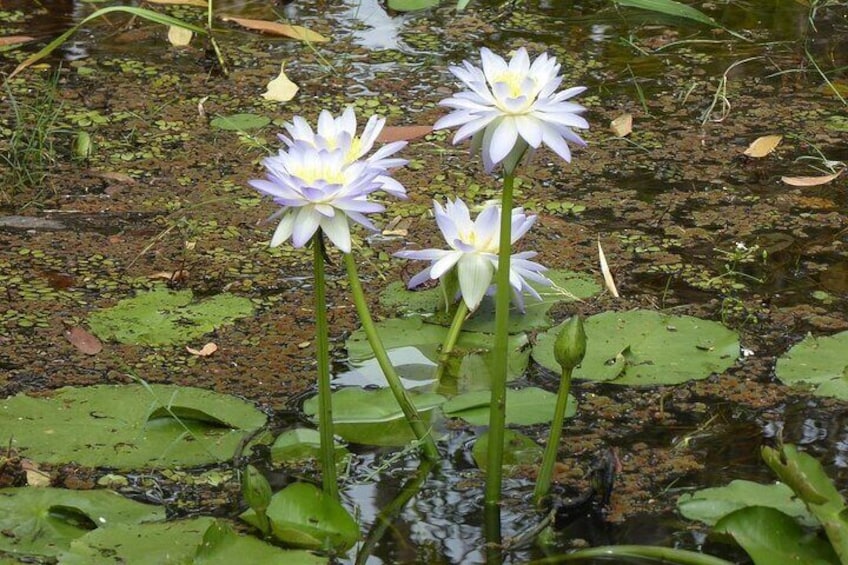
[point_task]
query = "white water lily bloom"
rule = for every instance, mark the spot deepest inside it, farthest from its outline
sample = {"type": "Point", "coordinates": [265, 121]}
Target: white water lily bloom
{"type": "Point", "coordinates": [319, 188]}
{"type": "Point", "coordinates": [510, 106]}
{"type": "Point", "coordinates": [474, 252]}
{"type": "Point", "coordinates": [333, 133]}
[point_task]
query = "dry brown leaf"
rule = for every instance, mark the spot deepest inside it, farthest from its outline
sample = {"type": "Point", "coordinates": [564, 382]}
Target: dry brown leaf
{"type": "Point", "coordinates": [120, 177]}
{"type": "Point", "coordinates": [622, 125]}
{"type": "Point", "coordinates": [178, 276]}
{"type": "Point", "coordinates": [179, 36]}
{"type": "Point", "coordinates": [403, 133]}
{"type": "Point", "coordinates": [15, 40]}
{"type": "Point", "coordinates": [83, 340]}
{"type": "Point", "coordinates": [810, 181]}
{"type": "Point", "coordinates": [281, 89]}
{"type": "Point", "coordinates": [762, 146]}
{"type": "Point", "coordinates": [287, 30]}
{"type": "Point", "coordinates": [204, 351]}
{"type": "Point", "coordinates": [35, 477]}
{"type": "Point", "coordinates": [609, 282]}
{"type": "Point", "coordinates": [196, 3]}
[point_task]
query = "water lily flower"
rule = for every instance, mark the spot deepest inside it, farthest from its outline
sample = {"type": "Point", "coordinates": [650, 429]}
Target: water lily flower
{"type": "Point", "coordinates": [510, 106]}
{"type": "Point", "coordinates": [333, 133]}
{"type": "Point", "coordinates": [319, 188]}
{"type": "Point", "coordinates": [474, 252]}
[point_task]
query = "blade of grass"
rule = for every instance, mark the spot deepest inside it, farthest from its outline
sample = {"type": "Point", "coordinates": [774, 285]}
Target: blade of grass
{"type": "Point", "coordinates": [155, 17]}
{"type": "Point", "coordinates": [678, 10]}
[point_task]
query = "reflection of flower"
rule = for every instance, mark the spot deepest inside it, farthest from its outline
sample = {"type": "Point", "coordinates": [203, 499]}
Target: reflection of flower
{"type": "Point", "coordinates": [333, 133]}
{"type": "Point", "coordinates": [474, 252]}
{"type": "Point", "coordinates": [319, 188]}
{"type": "Point", "coordinates": [510, 106]}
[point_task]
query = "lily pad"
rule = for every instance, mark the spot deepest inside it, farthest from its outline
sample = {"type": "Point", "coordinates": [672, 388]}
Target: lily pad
{"type": "Point", "coordinates": [128, 426]}
{"type": "Point", "coordinates": [373, 417]}
{"type": "Point", "coordinates": [518, 450]}
{"type": "Point", "coordinates": [819, 362]}
{"type": "Point", "coordinates": [163, 317]}
{"type": "Point", "coordinates": [299, 444]}
{"type": "Point", "coordinates": [710, 505]}
{"type": "Point", "coordinates": [240, 122]}
{"type": "Point", "coordinates": [302, 515]}
{"type": "Point", "coordinates": [524, 407]}
{"type": "Point", "coordinates": [44, 521]}
{"type": "Point", "coordinates": [412, 5]}
{"type": "Point", "coordinates": [643, 347]}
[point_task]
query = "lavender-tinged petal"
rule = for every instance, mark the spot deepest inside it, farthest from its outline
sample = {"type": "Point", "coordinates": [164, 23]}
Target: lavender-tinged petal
{"type": "Point", "coordinates": [338, 230]}
{"type": "Point", "coordinates": [306, 222]}
{"type": "Point", "coordinates": [445, 264]}
{"type": "Point", "coordinates": [419, 278]}
{"type": "Point", "coordinates": [284, 229]}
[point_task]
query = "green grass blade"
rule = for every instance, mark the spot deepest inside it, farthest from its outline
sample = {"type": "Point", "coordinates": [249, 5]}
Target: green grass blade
{"type": "Point", "coordinates": [155, 17]}
{"type": "Point", "coordinates": [676, 9]}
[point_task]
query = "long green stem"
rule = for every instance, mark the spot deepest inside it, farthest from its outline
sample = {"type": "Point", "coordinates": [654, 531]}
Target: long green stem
{"type": "Point", "coordinates": [451, 339]}
{"type": "Point", "coordinates": [663, 554]}
{"type": "Point", "coordinates": [422, 433]}
{"type": "Point", "coordinates": [322, 344]}
{"type": "Point", "coordinates": [543, 481]}
{"type": "Point", "coordinates": [497, 407]}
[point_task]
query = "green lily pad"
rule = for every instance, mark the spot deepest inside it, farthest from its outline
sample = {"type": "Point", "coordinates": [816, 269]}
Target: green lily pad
{"type": "Point", "coordinates": [240, 122]}
{"type": "Point", "coordinates": [518, 450]}
{"type": "Point", "coordinates": [373, 417]}
{"type": "Point", "coordinates": [299, 444]}
{"type": "Point", "coordinates": [413, 331]}
{"type": "Point", "coordinates": [710, 505]}
{"type": "Point", "coordinates": [163, 317]}
{"type": "Point", "coordinates": [643, 347]}
{"type": "Point", "coordinates": [524, 407]}
{"type": "Point", "coordinates": [412, 5]}
{"type": "Point", "coordinates": [44, 521]}
{"type": "Point", "coordinates": [128, 426]}
{"type": "Point", "coordinates": [819, 362]}
{"type": "Point", "coordinates": [302, 515]}
{"type": "Point", "coordinates": [769, 536]}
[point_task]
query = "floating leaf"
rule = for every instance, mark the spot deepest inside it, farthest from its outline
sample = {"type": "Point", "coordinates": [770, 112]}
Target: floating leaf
{"type": "Point", "coordinates": [204, 351]}
{"type": "Point", "coordinates": [764, 145]}
{"type": "Point", "coordinates": [769, 536]}
{"type": "Point", "coordinates": [411, 5]}
{"type": "Point", "coordinates": [281, 89]}
{"type": "Point", "coordinates": [83, 340]}
{"type": "Point", "coordinates": [162, 317]}
{"type": "Point", "coordinates": [240, 122]}
{"type": "Point", "coordinates": [286, 30]}
{"type": "Point", "coordinates": [622, 125]}
{"type": "Point", "coordinates": [15, 40]}
{"type": "Point", "coordinates": [44, 521]}
{"type": "Point", "coordinates": [820, 362]}
{"type": "Point", "coordinates": [524, 407]}
{"type": "Point", "coordinates": [298, 444]}
{"type": "Point", "coordinates": [402, 133]}
{"type": "Point", "coordinates": [643, 347]}
{"type": "Point", "coordinates": [518, 450]}
{"type": "Point", "coordinates": [710, 505]}
{"type": "Point", "coordinates": [125, 426]}
{"type": "Point", "coordinates": [810, 181]}
{"type": "Point", "coordinates": [303, 516]}
{"type": "Point", "coordinates": [179, 36]}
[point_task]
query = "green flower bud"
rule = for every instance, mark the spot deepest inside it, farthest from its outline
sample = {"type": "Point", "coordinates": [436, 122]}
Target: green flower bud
{"type": "Point", "coordinates": [255, 489]}
{"type": "Point", "coordinates": [82, 146]}
{"type": "Point", "coordinates": [570, 344]}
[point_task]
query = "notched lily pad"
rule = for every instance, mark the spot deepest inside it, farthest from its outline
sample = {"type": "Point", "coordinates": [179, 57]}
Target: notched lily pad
{"type": "Point", "coordinates": [44, 521]}
{"type": "Point", "coordinates": [710, 505]}
{"type": "Point", "coordinates": [128, 426]}
{"type": "Point", "coordinates": [820, 362]}
{"type": "Point", "coordinates": [163, 317]}
{"type": "Point", "coordinates": [643, 347]}
{"type": "Point", "coordinates": [524, 407]}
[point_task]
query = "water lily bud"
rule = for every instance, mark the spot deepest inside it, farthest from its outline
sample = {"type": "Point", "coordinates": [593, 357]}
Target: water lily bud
{"type": "Point", "coordinates": [255, 489]}
{"type": "Point", "coordinates": [570, 345]}
{"type": "Point", "coordinates": [82, 146]}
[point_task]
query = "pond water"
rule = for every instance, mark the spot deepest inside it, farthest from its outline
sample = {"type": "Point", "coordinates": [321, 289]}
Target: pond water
{"type": "Point", "coordinates": [688, 223]}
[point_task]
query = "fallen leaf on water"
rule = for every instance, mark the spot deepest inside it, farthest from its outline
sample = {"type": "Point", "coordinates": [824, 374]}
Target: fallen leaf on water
{"type": "Point", "coordinates": [281, 89]}
{"type": "Point", "coordinates": [204, 351]}
{"type": "Point", "coordinates": [622, 125]}
{"type": "Point", "coordinates": [120, 177]}
{"type": "Point", "coordinates": [179, 36]}
{"type": "Point", "coordinates": [609, 282]}
{"type": "Point", "coordinates": [197, 3]}
{"type": "Point", "coordinates": [303, 345]}
{"type": "Point", "coordinates": [35, 477]}
{"type": "Point", "coordinates": [287, 30]}
{"type": "Point", "coordinates": [83, 340]}
{"type": "Point", "coordinates": [15, 39]}
{"type": "Point", "coordinates": [762, 146]}
{"type": "Point", "coordinates": [403, 133]}
{"type": "Point", "coordinates": [810, 181]}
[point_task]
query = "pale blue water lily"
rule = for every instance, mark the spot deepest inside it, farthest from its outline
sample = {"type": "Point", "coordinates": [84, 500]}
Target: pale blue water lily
{"type": "Point", "coordinates": [332, 133]}
{"type": "Point", "coordinates": [474, 252]}
{"type": "Point", "coordinates": [319, 188]}
{"type": "Point", "coordinates": [509, 107]}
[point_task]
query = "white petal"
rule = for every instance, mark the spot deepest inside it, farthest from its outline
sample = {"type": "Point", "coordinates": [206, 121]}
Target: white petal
{"type": "Point", "coordinates": [475, 276]}
{"type": "Point", "coordinates": [528, 128]}
{"type": "Point", "coordinates": [284, 229]}
{"type": "Point", "coordinates": [503, 140]}
{"type": "Point", "coordinates": [445, 264]}
{"type": "Point", "coordinates": [305, 224]}
{"type": "Point", "coordinates": [338, 230]}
